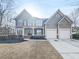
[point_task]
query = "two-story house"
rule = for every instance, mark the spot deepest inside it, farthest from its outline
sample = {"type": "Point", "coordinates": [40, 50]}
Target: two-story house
{"type": "Point", "coordinates": [58, 26]}
{"type": "Point", "coordinates": [27, 25]}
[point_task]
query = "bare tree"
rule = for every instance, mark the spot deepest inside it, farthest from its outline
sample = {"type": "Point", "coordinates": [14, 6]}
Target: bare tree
{"type": "Point", "coordinates": [6, 7]}
{"type": "Point", "coordinates": [74, 16]}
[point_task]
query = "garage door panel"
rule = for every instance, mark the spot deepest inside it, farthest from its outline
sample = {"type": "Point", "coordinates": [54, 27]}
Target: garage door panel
{"type": "Point", "coordinates": [50, 33]}
{"type": "Point", "coordinates": [64, 33]}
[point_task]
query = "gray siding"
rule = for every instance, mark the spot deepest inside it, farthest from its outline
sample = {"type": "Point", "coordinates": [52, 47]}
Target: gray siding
{"type": "Point", "coordinates": [52, 22]}
{"type": "Point", "coordinates": [23, 15]}
{"type": "Point", "coordinates": [56, 18]}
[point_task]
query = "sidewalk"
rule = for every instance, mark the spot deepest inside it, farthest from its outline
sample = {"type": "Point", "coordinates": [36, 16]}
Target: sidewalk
{"type": "Point", "coordinates": [68, 51]}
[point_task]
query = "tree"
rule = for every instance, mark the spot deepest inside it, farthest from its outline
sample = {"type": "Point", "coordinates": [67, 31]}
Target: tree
{"type": "Point", "coordinates": [6, 7]}
{"type": "Point", "coordinates": [74, 16]}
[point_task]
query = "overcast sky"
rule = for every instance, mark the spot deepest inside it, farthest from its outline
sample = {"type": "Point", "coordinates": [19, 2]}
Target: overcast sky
{"type": "Point", "coordinates": [44, 8]}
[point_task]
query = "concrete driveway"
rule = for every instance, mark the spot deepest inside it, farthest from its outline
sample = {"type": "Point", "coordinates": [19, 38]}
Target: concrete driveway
{"type": "Point", "coordinates": [66, 49]}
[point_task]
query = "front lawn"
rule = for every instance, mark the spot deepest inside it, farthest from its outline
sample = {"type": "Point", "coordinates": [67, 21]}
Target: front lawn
{"type": "Point", "coordinates": [29, 50]}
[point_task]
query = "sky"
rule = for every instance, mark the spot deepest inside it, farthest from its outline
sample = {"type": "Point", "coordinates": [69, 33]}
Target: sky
{"type": "Point", "coordinates": [44, 8]}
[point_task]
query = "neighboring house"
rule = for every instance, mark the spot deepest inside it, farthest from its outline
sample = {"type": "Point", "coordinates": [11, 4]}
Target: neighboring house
{"type": "Point", "coordinates": [57, 26]}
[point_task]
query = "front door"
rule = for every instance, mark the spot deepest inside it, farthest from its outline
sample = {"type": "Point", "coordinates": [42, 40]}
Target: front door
{"type": "Point", "coordinates": [27, 31]}
{"type": "Point", "coordinates": [38, 32]}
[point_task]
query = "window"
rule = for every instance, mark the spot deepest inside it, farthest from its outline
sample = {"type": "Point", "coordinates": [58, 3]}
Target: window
{"type": "Point", "coordinates": [25, 23]}
{"type": "Point", "coordinates": [28, 31]}
{"type": "Point", "coordinates": [19, 23]}
{"type": "Point", "coordinates": [39, 31]}
{"type": "Point", "coordinates": [19, 31]}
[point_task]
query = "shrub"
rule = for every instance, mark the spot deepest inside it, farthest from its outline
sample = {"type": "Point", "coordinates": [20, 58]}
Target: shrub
{"type": "Point", "coordinates": [12, 37]}
{"type": "Point", "coordinates": [3, 38]}
{"type": "Point", "coordinates": [75, 36]}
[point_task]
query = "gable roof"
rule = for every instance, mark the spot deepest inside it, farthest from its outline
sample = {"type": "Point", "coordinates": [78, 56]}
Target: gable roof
{"type": "Point", "coordinates": [24, 14]}
{"type": "Point", "coordinates": [68, 19]}
{"type": "Point", "coordinates": [65, 18]}
{"type": "Point", "coordinates": [55, 19]}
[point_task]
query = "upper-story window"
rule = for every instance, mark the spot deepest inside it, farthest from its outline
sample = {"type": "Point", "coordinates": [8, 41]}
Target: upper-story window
{"type": "Point", "coordinates": [39, 22]}
{"type": "Point", "coordinates": [34, 22]}
{"type": "Point", "coordinates": [25, 22]}
{"type": "Point", "coordinates": [19, 23]}
{"type": "Point", "coordinates": [29, 22]}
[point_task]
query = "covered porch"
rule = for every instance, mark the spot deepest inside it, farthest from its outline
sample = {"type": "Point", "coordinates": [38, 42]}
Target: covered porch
{"type": "Point", "coordinates": [32, 32]}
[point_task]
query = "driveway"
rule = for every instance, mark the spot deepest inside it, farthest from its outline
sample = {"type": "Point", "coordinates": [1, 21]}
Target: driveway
{"type": "Point", "coordinates": [66, 48]}
{"type": "Point", "coordinates": [73, 42]}
{"type": "Point", "coordinates": [32, 49]}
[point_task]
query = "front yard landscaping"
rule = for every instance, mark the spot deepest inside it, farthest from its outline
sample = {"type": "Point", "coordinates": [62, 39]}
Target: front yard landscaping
{"type": "Point", "coordinates": [75, 36]}
{"type": "Point", "coordinates": [31, 49]}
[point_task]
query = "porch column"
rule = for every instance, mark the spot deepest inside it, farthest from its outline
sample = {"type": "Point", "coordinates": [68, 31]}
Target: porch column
{"type": "Point", "coordinates": [71, 32]}
{"type": "Point", "coordinates": [23, 31]}
{"type": "Point", "coordinates": [43, 31]}
{"type": "Point", "coordinates": [16, 31]}
{"type": "Point", "coordinates": [33, 31]}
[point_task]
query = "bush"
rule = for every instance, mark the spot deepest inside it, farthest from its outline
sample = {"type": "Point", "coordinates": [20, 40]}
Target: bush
{"type": "Point", "coordinates": [75, 36]}
{"type": "Point", "coordinates": [15, 37]}
{"type": "Point", "coordinates": [12, 37]}
{"type": "Point", "coordinates": [20, 37]}
{"type": "Point", "coordinates": [3, 38]}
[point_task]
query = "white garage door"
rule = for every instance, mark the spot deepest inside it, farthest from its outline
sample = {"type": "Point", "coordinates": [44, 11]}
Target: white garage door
{"type": "Point", "coordinates": [64, 33]}
{"type": "Point", "coordinates": [50, 33]}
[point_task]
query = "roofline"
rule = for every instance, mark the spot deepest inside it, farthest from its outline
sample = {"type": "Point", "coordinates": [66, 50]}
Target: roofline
{"type": "Point", "coordinates": [57, 12]}
{"type": "Point", "coordinates": [65, 19]}
{"type": "Point", "coordinates": [21, 12]}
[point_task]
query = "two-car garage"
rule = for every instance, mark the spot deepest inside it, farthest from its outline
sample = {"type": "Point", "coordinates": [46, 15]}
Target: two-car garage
{"type": "Point", "coordinates": [62, 33]}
